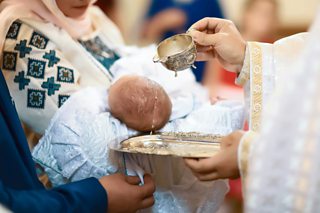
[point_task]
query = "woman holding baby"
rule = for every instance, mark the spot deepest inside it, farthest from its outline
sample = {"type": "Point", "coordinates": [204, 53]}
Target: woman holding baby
{"type": "Point", "coordinates": [50, 50]}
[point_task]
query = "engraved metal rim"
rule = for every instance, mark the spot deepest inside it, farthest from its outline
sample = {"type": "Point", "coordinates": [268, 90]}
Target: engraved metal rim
{"type": "Point", "coordinates": [168, 145]}
{"type": "Point", "coordinates": [188, 48]}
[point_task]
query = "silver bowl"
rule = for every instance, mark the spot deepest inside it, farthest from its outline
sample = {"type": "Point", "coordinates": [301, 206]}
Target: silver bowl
{"type": "Point", "coordinates": [176, 53]}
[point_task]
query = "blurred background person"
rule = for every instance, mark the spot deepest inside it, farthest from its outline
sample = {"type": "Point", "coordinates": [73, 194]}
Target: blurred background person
{"type": "Point", "coordinates": [112, 10]}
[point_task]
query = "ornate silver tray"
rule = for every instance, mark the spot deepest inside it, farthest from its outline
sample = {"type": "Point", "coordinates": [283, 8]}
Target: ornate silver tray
{"type": "Point", "coordinates": [189, 144]}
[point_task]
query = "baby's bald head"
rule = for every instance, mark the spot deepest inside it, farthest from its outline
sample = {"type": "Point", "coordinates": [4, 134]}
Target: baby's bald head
{"type": "Point", "coordinates": [140, 103]}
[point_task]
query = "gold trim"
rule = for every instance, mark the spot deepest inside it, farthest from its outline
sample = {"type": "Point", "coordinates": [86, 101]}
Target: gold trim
{"type": "Point", "coordinates": [244, 156]}
{"type": "Point", "coordinates": [244, 74]}
{"type": "Point", "coordinates": [255, 86]}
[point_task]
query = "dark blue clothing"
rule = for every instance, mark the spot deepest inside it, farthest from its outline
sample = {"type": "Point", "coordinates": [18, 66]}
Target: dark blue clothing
{"type": "Point", "coordinates": [195, 10]}
{"type": "Point", "coordinates": [20, 190]}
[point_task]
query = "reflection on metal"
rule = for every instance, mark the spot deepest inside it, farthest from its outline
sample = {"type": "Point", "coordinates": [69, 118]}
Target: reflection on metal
{"type": "Point", "coordinates": [191, 144]}
{"type": "Point", "coordinates": [176, 53]}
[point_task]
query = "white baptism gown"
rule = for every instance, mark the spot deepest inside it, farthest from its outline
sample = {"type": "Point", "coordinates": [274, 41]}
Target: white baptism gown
{"type": "Point", "coordinates": [75, 145]}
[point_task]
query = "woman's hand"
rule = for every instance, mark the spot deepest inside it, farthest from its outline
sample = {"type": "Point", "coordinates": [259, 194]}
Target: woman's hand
{"type": "Point", "coordinates": [126, 195]}
{"type": "Point", "coordinates": [222, 165]}
{"type": "Point", "coordinates": [219, 38]}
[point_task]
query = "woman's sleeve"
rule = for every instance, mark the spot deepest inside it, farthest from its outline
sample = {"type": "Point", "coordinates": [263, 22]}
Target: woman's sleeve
{"type": "Point", "coordinates": [83, 197]}
{"type": "Point", "coordinates": [39, 78]}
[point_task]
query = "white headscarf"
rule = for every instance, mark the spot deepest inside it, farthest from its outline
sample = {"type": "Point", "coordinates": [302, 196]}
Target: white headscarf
{"type": "Point", "coordinates": [46, 10]}
{"type": "Point", "coordinates": [284, 173]}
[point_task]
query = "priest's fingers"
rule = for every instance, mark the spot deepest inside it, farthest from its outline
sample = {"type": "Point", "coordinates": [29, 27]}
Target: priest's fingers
{"type": "Point", "coordinates": [205, 39]}
{"type": "Point", "coordinates": [134, 180]}
{"type": "Point", "coordinates": [204, 56]}
{"type": "Point", "coordinates": [212, 24]}
{"type": "Point", "coordinates": [148, 202]}
{"type": "Point", "coordinates": [201, 48]}
{"type": "Point", "coordinates": [202, 165]}
{"type": "Point", "coordinates": [148, 188]}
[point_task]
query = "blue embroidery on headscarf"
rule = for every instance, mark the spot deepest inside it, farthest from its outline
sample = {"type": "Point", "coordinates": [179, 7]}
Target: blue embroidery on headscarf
{"type": "Point", "coordinates": [36, 68]}
{"type": "Point", "coordinates": [101, 52]}
{"type": "Point", "coordinates": [22, 48]}
{"type": "Point", "coordinates": [36, 98]}
{"type": "Point", "coordinates": [51, 57]}
{"type": "Point", "coordinates": [51, 86]}
{"type": "Point", "coordinates": [9, 61]}
{"type": "Point", "coordinates": [21, 80]}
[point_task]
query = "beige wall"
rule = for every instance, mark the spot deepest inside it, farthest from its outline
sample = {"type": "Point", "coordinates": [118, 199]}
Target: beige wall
{"type": "Point", "coordinates": [293, 13]}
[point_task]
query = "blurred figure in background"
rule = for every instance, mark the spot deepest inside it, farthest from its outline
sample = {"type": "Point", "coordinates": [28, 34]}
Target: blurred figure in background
{"type": "Point", "coordinates": [259, 23]}
{"type": "Point", "coordinates": [260, 20]}
{"type": "Point", "coordinates": [169, 17]}
{"type": "Point", "coordinates": [111, 9]}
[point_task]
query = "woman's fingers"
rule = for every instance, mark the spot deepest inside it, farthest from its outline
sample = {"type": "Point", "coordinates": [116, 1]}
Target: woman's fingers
{"type": "Point", "coordinates": [133, 180]}
{"type": "Point", "coordinates": [148, 188]}
{"type": "Point", "coordinates": [147, 202]}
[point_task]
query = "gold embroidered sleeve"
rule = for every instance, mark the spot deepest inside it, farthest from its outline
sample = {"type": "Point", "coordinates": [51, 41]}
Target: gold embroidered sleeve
{"type": "Point", "coordinates": [244, 153]}
{"type": "Point", "coordinates": [244, 74]}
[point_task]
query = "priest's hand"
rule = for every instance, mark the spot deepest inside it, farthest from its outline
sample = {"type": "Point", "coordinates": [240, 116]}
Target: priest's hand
{"type": "Point", "coordinates": [219, 38]}
{"type": "Point", "coordinates": [222, 165]}
{"type": "Point", "coordinates": [125, 195]}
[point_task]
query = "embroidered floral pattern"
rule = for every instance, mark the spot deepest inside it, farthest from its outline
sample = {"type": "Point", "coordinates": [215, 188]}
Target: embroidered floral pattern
{"type": "Point", "coordinates": [62, 99]}
{"type": "Point", "coordinates": [36, 68]}
{"type": "Point", "coordinates": [14, 30]}
{"type": "Point", "coordinates": [22, 48]}
{"type": "Point", "coordinates": [51, 86]}
{"type": "Point", "coordinates": [65, 75]}
{"type": "Point", "coordinates": [51, 57]}
{"type": "Point", "coordinates": [256, 86]}
{"type": "Point", "coordinates": [101, 52]}
{"type": "Point", "coordinates": [36, 98]}
{"type": "Point", "coordinates": [38, 40]}
{"type": "Point", "coordinates": [9, 61]}
{"type": "Point", "coordinates": [21, 80]}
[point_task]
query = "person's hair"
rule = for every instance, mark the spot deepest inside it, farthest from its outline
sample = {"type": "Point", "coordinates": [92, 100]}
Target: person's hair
{"type": "Point", "coordinates": [249, 3]}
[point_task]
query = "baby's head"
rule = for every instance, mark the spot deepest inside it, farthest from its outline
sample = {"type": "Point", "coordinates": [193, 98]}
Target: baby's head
{"type": "Point", "coordinates": [140, 103]}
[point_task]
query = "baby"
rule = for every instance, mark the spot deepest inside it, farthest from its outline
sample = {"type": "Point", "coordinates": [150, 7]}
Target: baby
{"type": "Point", "coordinates": [76, 144]}
{"type": "Point", "coordinates": [140, 103]}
